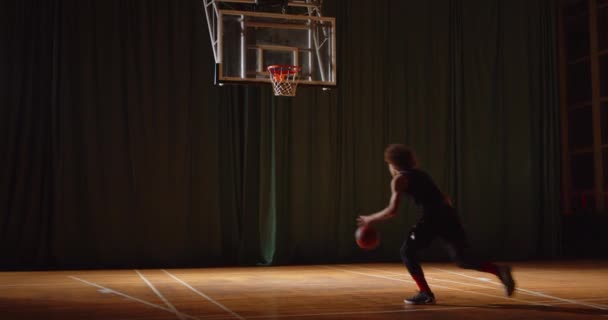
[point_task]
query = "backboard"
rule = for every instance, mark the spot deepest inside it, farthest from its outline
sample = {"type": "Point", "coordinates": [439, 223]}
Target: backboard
{"type": "Point", "coordinates": [246, 42]}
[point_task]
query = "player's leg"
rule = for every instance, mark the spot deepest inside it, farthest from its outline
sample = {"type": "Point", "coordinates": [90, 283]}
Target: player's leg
{"type": "Point", "coordinates": [454, 236]}
{"type": "Point", "coordinates": [419, 237]}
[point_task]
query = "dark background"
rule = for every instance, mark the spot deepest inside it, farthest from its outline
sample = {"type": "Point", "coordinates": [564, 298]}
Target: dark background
{"type": "Point", "coordinates": [116, 149]}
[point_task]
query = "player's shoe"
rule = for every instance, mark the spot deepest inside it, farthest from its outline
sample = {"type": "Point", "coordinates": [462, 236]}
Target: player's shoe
{"type": "Point", "coordinates": [421, 298]}
{"type": "Point", "coordinates": [504, 274]}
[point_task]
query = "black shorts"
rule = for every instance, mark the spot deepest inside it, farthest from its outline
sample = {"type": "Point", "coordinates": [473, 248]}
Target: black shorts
{"type": "Point", "coordinates": [442, 223]}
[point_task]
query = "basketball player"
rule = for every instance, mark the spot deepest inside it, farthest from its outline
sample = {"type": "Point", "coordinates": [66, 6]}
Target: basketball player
{"type": "Point", "coordinates": [439, 219]}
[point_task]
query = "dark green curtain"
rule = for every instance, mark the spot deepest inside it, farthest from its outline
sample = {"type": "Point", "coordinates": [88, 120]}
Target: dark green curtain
{"type": "Point", "coordinates": [117, 151]}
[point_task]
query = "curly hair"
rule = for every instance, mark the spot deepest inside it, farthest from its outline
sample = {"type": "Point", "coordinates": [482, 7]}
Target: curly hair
{"type": "Point", "coordinates": [400, 156]}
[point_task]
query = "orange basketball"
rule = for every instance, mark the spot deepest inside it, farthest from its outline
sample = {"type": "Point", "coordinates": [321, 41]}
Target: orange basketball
{"type": "Point", "coordinates": [279, 77]}
{"type": "Point", "coordinates": [367, 237]}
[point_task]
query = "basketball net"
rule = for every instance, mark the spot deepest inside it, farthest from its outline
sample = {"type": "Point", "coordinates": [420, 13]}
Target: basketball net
{"type": "Point", "coordinates": [284, 79]}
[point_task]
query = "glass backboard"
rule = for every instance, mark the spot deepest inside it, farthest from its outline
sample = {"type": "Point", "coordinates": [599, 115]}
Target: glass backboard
{"type": "Point", "coordinates": [248, 42]}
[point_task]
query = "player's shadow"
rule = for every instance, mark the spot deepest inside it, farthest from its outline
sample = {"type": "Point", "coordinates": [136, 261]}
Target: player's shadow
{"type": "Point", "coordinates": [539, 308]}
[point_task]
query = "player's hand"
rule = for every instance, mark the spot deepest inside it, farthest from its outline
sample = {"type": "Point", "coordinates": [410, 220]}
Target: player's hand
{"type": "Point", "coordinates": [363, 221]}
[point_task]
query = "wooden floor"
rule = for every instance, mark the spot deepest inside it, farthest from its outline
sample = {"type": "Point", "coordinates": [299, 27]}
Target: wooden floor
{"type": "Point", "coordinates": [357, 291]}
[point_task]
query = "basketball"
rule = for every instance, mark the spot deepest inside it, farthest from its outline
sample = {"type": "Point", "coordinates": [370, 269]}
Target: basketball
{"type": "Point", "coordinates": [279, 77]}
{"type": "Point", "coordinates": [367, 237]}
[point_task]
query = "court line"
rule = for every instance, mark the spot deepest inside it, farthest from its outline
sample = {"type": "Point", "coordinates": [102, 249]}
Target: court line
{"type": "Point", "coordinates": [535, 293]}
{"type": "Point", "coordinates": [437, 286]}
{"type": "Point", "coordinates": [118, 293]}
{"type": "Point", "coordinates": [223, 307]}
{"type": "Point", "coordinates": [160, 295]}
{"type": "Point", "coordinates": [222, 317]}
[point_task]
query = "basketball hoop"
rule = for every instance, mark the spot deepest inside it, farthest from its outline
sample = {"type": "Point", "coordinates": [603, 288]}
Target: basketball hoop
{"type": "Point", "coordinates": [284, 79]}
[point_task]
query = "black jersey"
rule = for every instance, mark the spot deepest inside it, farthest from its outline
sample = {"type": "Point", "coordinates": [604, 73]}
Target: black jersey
{"type": "Point", "coordinates": [423, 190]}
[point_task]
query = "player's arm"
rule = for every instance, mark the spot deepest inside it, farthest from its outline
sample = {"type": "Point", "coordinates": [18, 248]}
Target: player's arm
{"type": "Point", "coordinates": [398, 186]}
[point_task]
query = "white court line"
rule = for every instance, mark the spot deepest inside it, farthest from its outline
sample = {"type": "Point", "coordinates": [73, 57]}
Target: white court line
{"type": "Point", "coordinates": [535, 293]}
{"type": "Point", "coordinates": [160, 295]}
{"type": "Point", "coordinates": [236, 315]}
{"type": "Point", "coordinates": [437, 286]}
{"type": "Point", "coordinates": [118, 293]}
